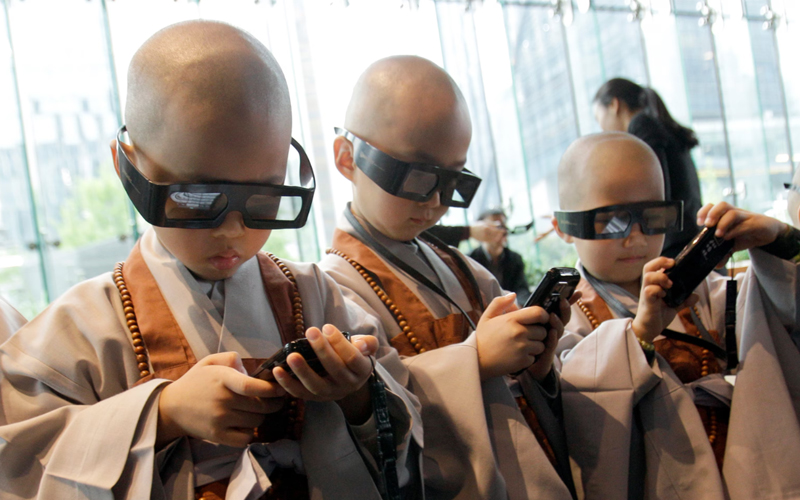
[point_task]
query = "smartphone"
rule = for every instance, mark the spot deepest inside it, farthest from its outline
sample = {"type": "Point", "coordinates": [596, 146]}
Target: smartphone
{"type": "Point", "coordinates": [694, 263]}
{"type": "Point", "coordinates": [300, 346]}
{"type": "Point", "coordinates": [557, 283]}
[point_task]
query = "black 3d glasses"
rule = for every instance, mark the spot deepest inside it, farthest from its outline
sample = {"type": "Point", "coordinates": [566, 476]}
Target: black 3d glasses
{"type": "Point", "coordinates": [616, 221]}
{"type": "Point", "coordinates": [413, 181]}
{"type": "Point", "coordinates": [204, 206]}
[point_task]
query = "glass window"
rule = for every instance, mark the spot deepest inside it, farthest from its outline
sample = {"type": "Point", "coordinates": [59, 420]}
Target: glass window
{"type": "Point", "coordinates": [21, 278]}
{"type": "Point", "coordinates": [70, 106]}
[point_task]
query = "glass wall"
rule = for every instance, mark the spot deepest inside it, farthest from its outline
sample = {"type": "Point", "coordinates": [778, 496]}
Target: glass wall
{"type": "Point", "coordinates": [528, 69]}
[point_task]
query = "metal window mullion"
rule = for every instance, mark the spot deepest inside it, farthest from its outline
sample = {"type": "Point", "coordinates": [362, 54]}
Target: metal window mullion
{"type": "Point", "coordinates": [118, 108]}
{"type": "Point", "coordinates": [723, 114]}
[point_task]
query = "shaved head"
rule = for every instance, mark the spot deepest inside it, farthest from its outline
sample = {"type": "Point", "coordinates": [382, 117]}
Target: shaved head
{"type": "Point", "coordinates": [412, 110]}
{"type": "Point", "coordinates": [598, 161]}
{"type": "Point", "coordinates": [405, 95]}
{"type": "Point", "coordinates": [202, 81]}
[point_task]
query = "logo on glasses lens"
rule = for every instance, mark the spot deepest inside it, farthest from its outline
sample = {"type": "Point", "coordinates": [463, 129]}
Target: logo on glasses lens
{"type": "Point", "coordinates": [194, 201]}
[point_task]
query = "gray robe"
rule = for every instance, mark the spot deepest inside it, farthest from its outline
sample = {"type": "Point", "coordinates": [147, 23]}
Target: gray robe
{"type": "Point", "coordinates": [763, 445]}
{"type": "Point", "coordinates": [73, 426]}
{"type": "Point", "coordinates": [477, 443]}
{"type": "Point", "coordinates": [10, 320]}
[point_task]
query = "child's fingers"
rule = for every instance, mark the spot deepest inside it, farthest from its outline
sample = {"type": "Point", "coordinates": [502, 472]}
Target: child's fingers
{"type": "Point", "coordinates": [653, 292]}
{"type": "Point", "coordinates": [536, 333]}
{"type": "Point", "coordinates": [714, 214]}
{"type": "Point", "coordinates": [702, 214]}
{"type": "Point", "coordinates": [658, 263]}
{"type": "Point", "coordinates": [244, 385]}
{"type": "Point", "coordinates": [344, 362]}
{"type": "Point", "coordinates": [497, 307]}
{"type": "Point", "coordinates": [260, 406]}
{"type": "Point", "coordinates": [291, 385]}
{"type": "Point", "coordinates": [229, 359]}
{"type": "Point", "coordinates": [533, 315]}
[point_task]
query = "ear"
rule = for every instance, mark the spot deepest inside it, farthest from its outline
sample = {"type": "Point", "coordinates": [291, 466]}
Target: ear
{"type": "Point", "coordinates": [564, 236]}
{"type": "Point", "coordinates": [343, 157]}
{"type": "Point", "coordinates": [615, 106]}
{"type": "Point", "coordinates": [113, 146]}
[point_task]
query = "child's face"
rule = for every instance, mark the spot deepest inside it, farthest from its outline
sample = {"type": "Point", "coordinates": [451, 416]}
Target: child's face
{"type": "Point", "coordinates": [196, 157]}
{"type": "Point", "coordinates": [620, 261]}
{"type": "Point", "coordinates": [398, 218]}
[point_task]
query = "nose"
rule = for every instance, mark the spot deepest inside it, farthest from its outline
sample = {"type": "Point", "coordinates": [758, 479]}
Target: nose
{"type": "Point", "coordinates": [232, 227]}
{"type": "Point", "coordinates": [636, 237]}
{"type": "Point", "coordinates": [434, 201]}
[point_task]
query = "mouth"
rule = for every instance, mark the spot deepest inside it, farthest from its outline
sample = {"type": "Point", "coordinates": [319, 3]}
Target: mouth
{"type": "Point", "coordinates": [226, 260]}
{"type": "Point", "coordinates": [632, 259]}
{"type": "Point", "coordinates": [420, 221]}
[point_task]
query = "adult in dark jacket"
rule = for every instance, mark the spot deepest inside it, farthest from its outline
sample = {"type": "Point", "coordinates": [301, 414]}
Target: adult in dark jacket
{"type": "Point", "coordinates": [506, 265]}
{"type": "Point", "coordinates": [622, 105]}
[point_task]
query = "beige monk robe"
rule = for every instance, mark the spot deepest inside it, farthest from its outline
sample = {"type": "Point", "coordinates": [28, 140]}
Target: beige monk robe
{"type": "Point", "coordinates": [477, 443]}
{"type": "Point", "coordinates": [73, 426]}
{"type": "Point", "coordinates": [10, 320]}
{"type": "Point", "coordinates": [763, 444]}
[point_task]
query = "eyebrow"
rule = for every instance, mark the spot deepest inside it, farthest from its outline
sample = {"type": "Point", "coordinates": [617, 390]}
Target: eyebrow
{"type": "Point", "coordinates": [426, 158]}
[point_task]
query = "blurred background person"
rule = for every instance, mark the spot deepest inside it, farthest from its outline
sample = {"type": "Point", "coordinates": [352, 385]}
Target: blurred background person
{"type": "Point", "coordinates": [505, 264]}
{"type": "Point", "coordinates": [622, 105]}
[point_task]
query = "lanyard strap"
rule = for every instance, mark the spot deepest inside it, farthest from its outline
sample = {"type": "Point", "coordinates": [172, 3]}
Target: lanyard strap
{"type": "Point", "coordinates": [387, 452]}
{"type": "Point", "coordinates": [706, 342]}
{"type": "Point", "coordinates": [730, 325]}
{"type": "Point", "coordinates": [402, 265]}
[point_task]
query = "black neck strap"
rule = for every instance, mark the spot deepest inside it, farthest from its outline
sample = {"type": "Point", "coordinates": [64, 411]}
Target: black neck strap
{"type": "Point", "coordinates": [384, 252]}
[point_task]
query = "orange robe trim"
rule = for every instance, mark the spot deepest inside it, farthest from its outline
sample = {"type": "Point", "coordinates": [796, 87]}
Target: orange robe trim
{"type": "Point", "coordinates": [171, 357]}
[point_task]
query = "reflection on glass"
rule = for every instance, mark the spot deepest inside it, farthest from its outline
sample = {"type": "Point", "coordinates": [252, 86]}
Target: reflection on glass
{"type": "Point", "coordinates": [69, 102]}
{"type": "Point", "coordinates": [21, 279]}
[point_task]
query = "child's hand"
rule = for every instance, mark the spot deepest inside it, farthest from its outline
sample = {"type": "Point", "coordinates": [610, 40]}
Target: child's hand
{"type": "Point", "coordinates": [509, 338]}
{"type": "Point", "coordinates": [348, 367]}
{"type": "Point", "coordinates": [217, 401]}
{"type": "Point", "coordinates": [544, 362]}
{"type": "Point", "coordinates": [653, 315]}
{"type": "Point", "coordinates": [748, 229]}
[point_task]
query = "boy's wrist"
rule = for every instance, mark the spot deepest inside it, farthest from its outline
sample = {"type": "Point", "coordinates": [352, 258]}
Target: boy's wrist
{"type": "Point", "coordinates": [786, 245]}
{"type": "Point", "coordinates": [642, 333]}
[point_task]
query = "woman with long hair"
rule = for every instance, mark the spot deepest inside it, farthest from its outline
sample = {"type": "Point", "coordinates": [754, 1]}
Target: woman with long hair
{"type": "Point", "coordinates": [622, 105]}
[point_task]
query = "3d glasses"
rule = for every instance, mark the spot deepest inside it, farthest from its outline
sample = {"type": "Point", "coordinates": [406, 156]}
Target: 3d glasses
{"type": "Point", "coordinates": [413, 181]}
{"type": "Point", "coordinates": [616, 221]}
{"type": "Point", "coordinates": [204, 206]}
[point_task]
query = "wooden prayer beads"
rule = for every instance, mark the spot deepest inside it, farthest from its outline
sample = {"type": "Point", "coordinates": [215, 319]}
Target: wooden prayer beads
{"type": "Point", "coordinates": [401, 320]}
{"type": "Point", "coordinates": [130, 319]}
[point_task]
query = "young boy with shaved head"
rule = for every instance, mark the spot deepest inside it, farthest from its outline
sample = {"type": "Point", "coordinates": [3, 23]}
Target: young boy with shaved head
{"type": "Point", "coordinates": [135, 384]}
{"type": "Point", "coordinates": [449, 331]}
{"type": "Point", "coordinates": [646, 435]}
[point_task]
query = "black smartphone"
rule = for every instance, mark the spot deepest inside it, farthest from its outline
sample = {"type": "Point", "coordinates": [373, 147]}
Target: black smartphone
{"type": "Point", "coordinates": [300, 346]}
{"type": "Point", "coordinates": [694, 263]}
{"type": "Point", "coordinates": [557, 283]}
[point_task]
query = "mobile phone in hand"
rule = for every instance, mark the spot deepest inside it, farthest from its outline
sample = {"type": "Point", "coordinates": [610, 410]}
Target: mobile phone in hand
{"type": "Point", "coordinates": [558, 283]}
{"type": "Point", "coordinates": [301, 346]}
{"type": "Point", "coordinates": [694, 263]}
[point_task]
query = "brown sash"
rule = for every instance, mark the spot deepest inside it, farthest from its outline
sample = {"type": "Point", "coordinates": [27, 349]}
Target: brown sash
{"type": "Point", "coordinates": [171, 356]}
{"type": "Point", "coordinates": [429, 332]}
{"type": "Point", "coordinates": [688, 361]}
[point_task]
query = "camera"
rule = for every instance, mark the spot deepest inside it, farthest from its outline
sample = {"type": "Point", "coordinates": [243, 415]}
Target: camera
{"type": "Point", "coordinates": [694, 263]}
{"type": "Point", "coordinates": [301, 346]}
